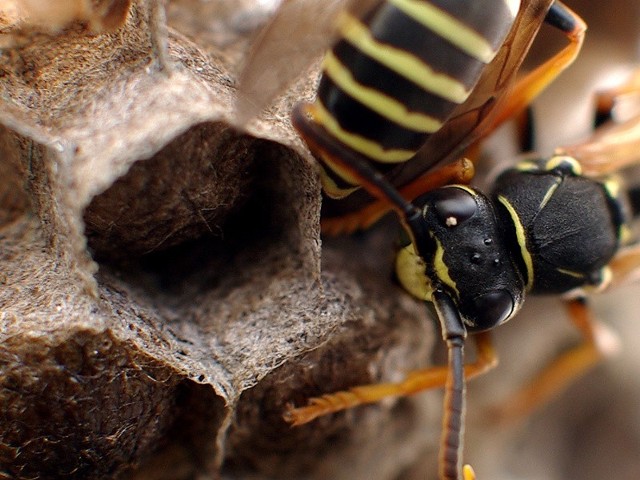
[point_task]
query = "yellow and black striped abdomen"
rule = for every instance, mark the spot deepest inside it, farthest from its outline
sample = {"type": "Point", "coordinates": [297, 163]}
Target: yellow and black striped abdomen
{"type": "Point", "coordinates": [395, 76]}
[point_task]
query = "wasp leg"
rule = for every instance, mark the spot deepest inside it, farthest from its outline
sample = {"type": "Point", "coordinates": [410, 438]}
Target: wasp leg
{"type": "Point", "coordinates": [525, 128]}
{"type": "Point", "coordinates": [598, 342]}
{"type": "Point", "coordinates": [529, 87]}
{"type": "Point", "coordinates": [606, 99]}
{"type": "Point", "coordinates": [460, 171]}
{"type": "Point", "coordinates": [614, 145]}
{"type": "Point", "coordinates": [416, 381]}
{"type": "Point", "coordinates": [610, 149]}
{"type": "Point", "coordinates": [625, 266]}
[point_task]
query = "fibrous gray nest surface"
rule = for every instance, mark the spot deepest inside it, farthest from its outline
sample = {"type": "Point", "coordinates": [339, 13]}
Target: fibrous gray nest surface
{"type": "Point", "coordinates": [162, 290]}
{"type": "Point", "coordinates": [161, 295]}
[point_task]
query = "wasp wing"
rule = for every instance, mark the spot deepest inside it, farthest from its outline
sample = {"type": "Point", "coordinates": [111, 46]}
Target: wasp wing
{"type": "Point", "coordinates": [298, 34]}
{"type": "Point", "coordinates": [488, 106]}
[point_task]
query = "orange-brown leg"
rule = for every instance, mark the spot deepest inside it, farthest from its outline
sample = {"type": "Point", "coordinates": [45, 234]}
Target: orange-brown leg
{"type": "Point", "coordinates": [613, 146]}
{"type": "Point", "coordinates": [607, 99]}
{"type": "Point", "coordinates": [529, 87]}
{"type": "Point", "coordinates": [416, 381]}
{"type": "Point", "coordinates": [610, 149]}
{"type": "Point", "coordinates": [598, 342]}
{"type": "Point", "coordinates": [625, 266]}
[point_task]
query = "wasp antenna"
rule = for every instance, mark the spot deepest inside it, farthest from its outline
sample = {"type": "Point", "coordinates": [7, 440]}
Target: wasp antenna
{"type": "Point", "coordinates": [451, 441]}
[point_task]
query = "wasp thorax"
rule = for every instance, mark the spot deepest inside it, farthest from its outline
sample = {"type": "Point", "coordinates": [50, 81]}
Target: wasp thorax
{"type": "Point", "coordinates": [567, 226]}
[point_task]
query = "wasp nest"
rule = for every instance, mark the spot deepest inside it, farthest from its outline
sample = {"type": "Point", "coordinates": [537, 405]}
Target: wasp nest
{"type": "Point", "coordinates": [160, 290]}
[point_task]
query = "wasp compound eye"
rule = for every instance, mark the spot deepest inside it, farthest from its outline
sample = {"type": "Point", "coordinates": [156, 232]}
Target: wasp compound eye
{"type": "Point", "coordinates": [453, 205]}
{"type": "Point", "coordinates": [489, 310]}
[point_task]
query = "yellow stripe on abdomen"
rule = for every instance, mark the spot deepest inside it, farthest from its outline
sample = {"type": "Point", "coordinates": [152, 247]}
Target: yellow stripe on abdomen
{"type": "Point", "coordinates": [386, 106]}
{"type": "Point", "coordinates": [402, 62]}
{"type": "Point", "coordinates": [358, 143]}
{"type": "Point", "coordinates": [448, 27]}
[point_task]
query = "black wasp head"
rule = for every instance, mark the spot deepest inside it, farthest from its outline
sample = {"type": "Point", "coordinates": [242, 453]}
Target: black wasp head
{"type": "Point", "coordinates": [464, 252]}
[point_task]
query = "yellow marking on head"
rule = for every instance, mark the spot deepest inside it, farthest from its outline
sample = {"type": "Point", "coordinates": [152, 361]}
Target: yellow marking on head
{"type": "Point", "coordinates": [448, 27]}
{"type": "Point", "coordinates": [358, 143]}
{"type": "Point", "coordinates": [521, 238]}
{"type": "Point", "coordinates": [377, 101]}
{"type": "Point", "coordinates": [411, 272]}
{"type": "Point", "coordinates": [442, 271]}
{"type": "Point", "coordinates": [401, 61]}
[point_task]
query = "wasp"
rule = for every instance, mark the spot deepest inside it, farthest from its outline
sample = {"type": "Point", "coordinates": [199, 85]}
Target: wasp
{"type": "Point", "coordinates": [556, 226]}
{"type": "Point", "coordinates": [407, 87]}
